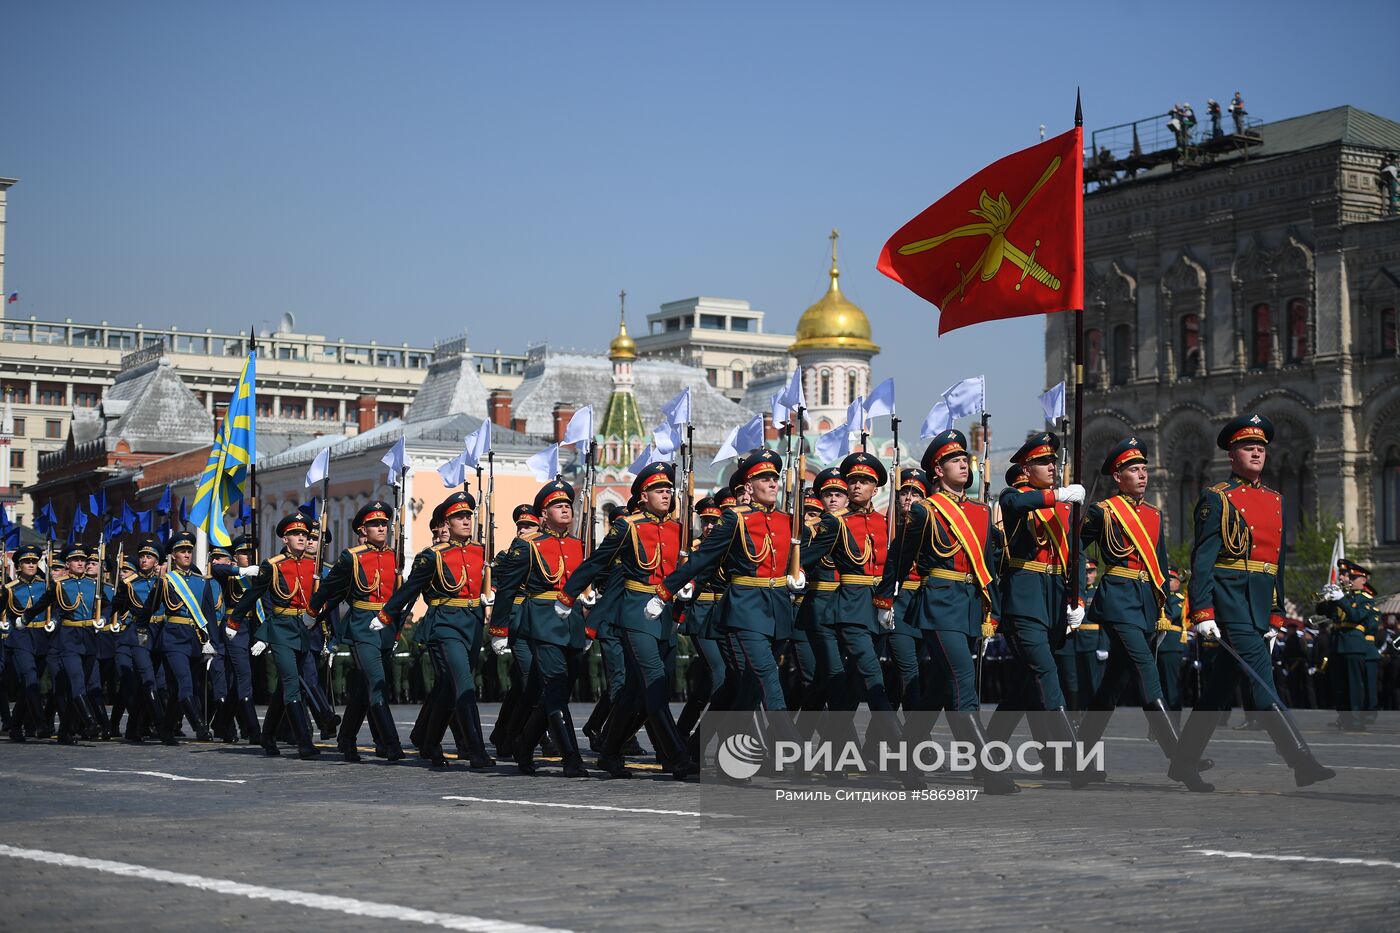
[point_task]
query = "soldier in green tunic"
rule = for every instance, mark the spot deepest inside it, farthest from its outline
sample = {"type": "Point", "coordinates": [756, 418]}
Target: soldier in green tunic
{"type": "Point", "coordinates": [1355, 623]}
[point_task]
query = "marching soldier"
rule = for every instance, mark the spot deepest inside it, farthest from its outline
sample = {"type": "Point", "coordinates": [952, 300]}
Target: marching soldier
{"type": "Point", "coordinates": [448, 576]}
{"type": "Point", "coordinates": [856, 541]}
{"type": "Point", "coordinates": [641, 549]}
{"type": "Point", "coordinates": [106, 649]}
{"type": "Point", "coordinates": [75, 645]}
{"type": "Point", "coordinates": [238, 643]}
{"type": "Point", "coordinates": [1355, 622]}
{"type": "Point", "coordinates": [1236, 596]}
{"type": "Point", "coordinates": [1132, 542]}
{"type": "Point", "coordinates": [906, 638]}
{"type": "Point", "coordinates": [1034, 596]}
{"type": "Point", "coordinates": [751, 544]}
{"type": "Point", "coordinates": [134, 643]}
{"type": "Point", "coordinates": [320, 643]}
{"type": "Point", "coordinates": [510, 722]}
{"type": "Point", "coordinates": [702, 627]}
{"type": "Point", "coordinates": [183, 604]}
{"type": "Point", "coordinates": [817, 614]}
{"type": "Point", "coordinates": [948, 540]}
{"type": "Point", "coordinates": [533, 604]}
{"type": "Point", "coordinates": [22, 645]}
{"type": "Point", "coordinates": [284, 582]}
{"type": "Point", "coordinates": [220, 716]}
{"type": "Point", "coordinates": [609, 645]}
{"type": "Point", "coordinates": [364, 577]}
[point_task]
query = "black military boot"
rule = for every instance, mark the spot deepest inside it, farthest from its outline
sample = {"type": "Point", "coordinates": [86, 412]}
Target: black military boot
{"type": "Point", "coordinates": [433, 731]}
{"type": "Point", "coordinates": [1190, 742]}
{"type": "Point", "coordinates": [1166, 737]}
{"type": "Point", "coordinates": [388, 732]}
{"type": "Point", "coordinates": [678, 760]}
{"type": "Point", "coordinates": [222, 724]}
{"type": "Point", "coordinates": [469, 716]}
{"type": "Point", "coordinates": [1291, 745]}
{"type": "Point", "coordinates": [967, 727]}
{"type": "Point", "coordinates": [616, 731]}
{"type": "Point", "coordinates": [201, 731]}
{"type": "Point", "coordinates": [347, 742]}
{"type": "Point", "coordinates": [301, 728]}
{"type": "Point", "coordinates": [500, 732]}
{"type": "Point", "coordinates": [66, 716]}
{"type": "Point", "coordinates": [271, 721]}
{"type": "Point", "coordinates": [169, 719]}
{"type": "Point", "coordinates": [593, 728]}
{"type": "Point", "coordinates": [568, 745]}
{"type": "Point", "coordinates": [98, 711]}
{"type": "Point", "coordinates": [528, 738]}
{"type": "Point", "coordinates": [420, 723]}
{"type": "Point", "coordinates": [34, 704]}
{"type": "Point", "coordinates": [248, 719]}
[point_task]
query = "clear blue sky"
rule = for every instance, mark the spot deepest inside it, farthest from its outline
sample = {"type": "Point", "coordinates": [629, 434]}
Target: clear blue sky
{"type": "Point", "coordinates": [399, 171]}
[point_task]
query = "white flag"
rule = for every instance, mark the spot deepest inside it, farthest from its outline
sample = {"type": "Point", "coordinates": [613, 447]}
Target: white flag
{"type": "Point", "coordinates": [742, 439]}
{"type": "Point", "coordinates": [937, 422]}
{"type": "Point", "coordinates": [320, 468]}
{"type": "Point", "coordinates": [791, 397]}
{"type": "Point", "coordinates": [476, 445]}
{"type": "Point", "coordinates": [666, 437]}
{"type": "Point", "coordinates": [856, 419]}
{"type": "Point", "coordinates": [967, 398]}
{"type": "Point", "coordinates": [397, 461]}
{"type": "Point", "coordinates": [545, 464]}
{"type": "Point", "coordinates": [834, 444]}
{"type": "Point", "coordinates": [646, 458]}
{"type": "Point", "coordinates": [1053, 402]}
{"type": "Point", "coordinates": [580, 429]}
{"type": "Point", "coordinates": [677, 410]}
{"type": "Point", "coordinates": [881, 400]}
{"type": "Point", "coordinates": [1339, 552]}
{"type": "Point", "coordinates": [454, 471]}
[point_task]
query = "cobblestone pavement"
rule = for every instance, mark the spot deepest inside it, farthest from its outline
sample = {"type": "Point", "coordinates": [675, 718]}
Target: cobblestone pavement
{"type": "Point", "coordinates": [479, 850]}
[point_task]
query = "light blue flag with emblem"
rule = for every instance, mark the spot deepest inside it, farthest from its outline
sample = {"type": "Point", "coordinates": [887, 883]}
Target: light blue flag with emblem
{"type": "Point", "coordinates": [1053, 404]}
{"type": "Point", "coordinates": [224, 482]}
{"type": "Point", "coordinates": [397, 461]}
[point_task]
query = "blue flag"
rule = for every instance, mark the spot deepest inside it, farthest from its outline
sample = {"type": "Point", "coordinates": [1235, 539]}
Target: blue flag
{"type": "Point", "coordinates": [164, 506]}
{"type": "Point", "coordinates": [130, 522]}
{"type": "Point", "coordinates": [97, 503]}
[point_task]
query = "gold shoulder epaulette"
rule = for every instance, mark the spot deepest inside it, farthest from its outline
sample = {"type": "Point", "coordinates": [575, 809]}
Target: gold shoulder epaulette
{"type": "Point", "coordinates": [742, 509]}
{"type": "Point", "coordinates": [531, 535]}
{"type": "Point", "coordinates": [1220, 487]}
{"type": "Point", "coordinates": [358, 548]}
{"type": "Point", "coordinates": [277, 558]}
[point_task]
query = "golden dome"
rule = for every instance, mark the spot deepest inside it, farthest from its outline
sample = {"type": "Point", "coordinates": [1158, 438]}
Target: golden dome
{"type": "Point", "coordinates": [834, 323]}
{"type": "Point", "coordinates": [622, 347]}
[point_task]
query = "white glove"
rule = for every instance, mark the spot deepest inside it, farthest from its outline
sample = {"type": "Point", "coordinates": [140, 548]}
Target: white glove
{"type": "Point", "coordinates": [1332, 593]}
{"type": "Point", "coordinates": [654, 608]}
{"type": "Point", "coordinates": [230, 632]}
{"type": "Point", "coordinates": [50, 626]}
{"type": "Point", "coordinates": [376, 626]}
{"type": "Point", "coordinates": [798, 583]}
{"type": "Point", "coordinates": [589, 598]}
{"type": "Point", "coordinates": [207, 649]}
{"type": "Point", "coordinates": [1208, 629]}
{"type": "Point", "coordinates": [488, 599]}
{"type": "Point", "coordinates": [250, 571]}
{"type": "Point", "coordinates": [587, 643]}
{"type": "Point", "coordinates": [687, 592]}
{"type": "Point", "coordinates": [561, 610]}
{"type": "Point", "coordinates": [309, 621]}
{"type": "Point", "coordinates": [326, 653]}
{"type": "Point", "coordinates": [886, 617]}
{"type": "Point", "coordinates": [4, 625]}
{"type": "Point", "coordinates": [500, 644]}
{"type": "Point", "coordinates": [1101, 655]}
{"type": "Point", "coordinates": [99, 625]}
{"type": "Point", "coordinates": [259, 647]}
{"type": "Point", "coordinates": [1071, 493]}
{"type": "Point", "coordinates": [1074, 615]}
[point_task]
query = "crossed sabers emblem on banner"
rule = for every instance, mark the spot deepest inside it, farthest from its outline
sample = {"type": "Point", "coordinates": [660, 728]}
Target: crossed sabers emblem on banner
{"type": "Point", "coordinates": [997, 216]}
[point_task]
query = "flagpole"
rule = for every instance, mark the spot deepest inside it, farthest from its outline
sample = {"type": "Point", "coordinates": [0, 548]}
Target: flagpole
{"type": "Point", "coordinates": [253, 469]}
{"type": "Point", "coordinates": [893, 480]}
{"type": "Point", "coordinates": [1077, 510]}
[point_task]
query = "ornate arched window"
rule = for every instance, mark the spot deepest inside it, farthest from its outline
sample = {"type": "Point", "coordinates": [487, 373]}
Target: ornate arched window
{"type": "Point", "coordinates": [825, 393]}
{"type": "Point", "coordinates": [1388, 520]}
{"type": "Point", "coordinates": [1190, 343]}
{"type": "Point", "coordinates": [1261, 336]}
{"type": "Point", "coordinates": [1386, 343]}
{"type": "Point", "coordinates": [850, 387]}
{"type": "Point", "coordinates": [1297, 330]}
{"type": "Point", "coordinates": [1122, 354]}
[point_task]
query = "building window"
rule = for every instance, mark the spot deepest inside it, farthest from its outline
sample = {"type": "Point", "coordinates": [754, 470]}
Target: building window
{"type": "Point", "coordinates": [825, 393]}
{"type": "Point", "coordinates": [1122, 354]}
{"type": "Point", "coordinates": [388, 413]}
{"type": "Point", "coordinates": [17, 460]}
{"type": "Point", "coordinates": [1261, 336]}
{"type": "Point", "coordinates": [712, 322]}
{"type": "Point", "coordinates": [19, 427]}
{"type": "Point", "coordinates": [738, 378]}
{"type": "Point", "coordinates": [1093, 356]}
{"type": "Point", "coordinates": [1388, 337]}
{"type": "Point", "coordinates": [121, 339]}
{"type": "Point", "coordinates": [850, 387]}
{"type": "Point", "coordinates": [50, 394]}
{"type": "Point", "coordinates": [673, 323]}
{"type": "Point", "coordinates": [293, 409]}
{"type": "Point", "coordinates": [1190, 345]}
{"type": "Point", "coordinates": [1390, 498]}
{"type": "Point", "coordinates": [326, 411]}
{"type": "Point", "coordinates": [85, 399]}
{"type": "Point", "coordinates": [712, 375]}
{"type": "Point", "coordinates": [53, 429]}
{"type": "Point", "coordinates": [20, 395]}
{"type": "Point", "coordinates": [740, 323]}
{"type": "Point", "coordinates": [1297, 330]}
{"type": "Point", "coordinates": [264, 409]}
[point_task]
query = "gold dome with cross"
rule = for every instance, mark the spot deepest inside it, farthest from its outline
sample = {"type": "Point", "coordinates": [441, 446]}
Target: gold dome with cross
{"type": "Point", "coordinates": [834, 322]}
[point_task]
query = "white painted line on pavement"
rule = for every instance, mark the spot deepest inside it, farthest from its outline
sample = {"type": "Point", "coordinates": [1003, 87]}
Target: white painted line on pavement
{"type": "Point", "coordinates": [163, 774]}
{"type": "Point", "coordinates": [344, 905]}
{"type": "Point", "coordinates": [585, 806]}
{"type": "Point", "coordinates": [1365, 862]}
